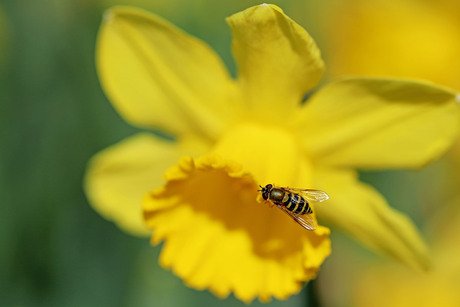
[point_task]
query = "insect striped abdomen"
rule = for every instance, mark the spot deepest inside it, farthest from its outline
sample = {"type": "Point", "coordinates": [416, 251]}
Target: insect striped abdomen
{"type": "Point", "coordinates": [298, 204]}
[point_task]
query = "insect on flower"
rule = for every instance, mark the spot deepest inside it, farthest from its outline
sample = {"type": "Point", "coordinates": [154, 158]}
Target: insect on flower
{"type": "Point", "coordinates": [294, 202]}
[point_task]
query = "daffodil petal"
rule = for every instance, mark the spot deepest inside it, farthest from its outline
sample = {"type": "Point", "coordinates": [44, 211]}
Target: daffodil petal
{"type": "Point", "coordinates": [118, 177]}
{"type": "Point", "coordinates": [158, 76]}
{"type": "Point", "coordinates": [218, 237]}
{"type": "Point", "coordinates": [278, 61]}
{"type": "Point", "coordinates": [359, 210]}
{"type": "Point", "coordinates": [379, 123]}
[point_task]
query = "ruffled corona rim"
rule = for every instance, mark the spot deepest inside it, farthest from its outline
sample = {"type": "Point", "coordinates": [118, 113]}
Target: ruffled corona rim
{"type": "Point", "coordinates": [218, 236]}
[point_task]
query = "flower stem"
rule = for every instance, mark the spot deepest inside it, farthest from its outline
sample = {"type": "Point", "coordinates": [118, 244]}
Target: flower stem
{"type": "Point", "coordinates": [312, 294]}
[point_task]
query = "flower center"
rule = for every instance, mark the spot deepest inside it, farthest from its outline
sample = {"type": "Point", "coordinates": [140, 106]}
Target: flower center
{"type": "Point", "coordinates": [270, 153]}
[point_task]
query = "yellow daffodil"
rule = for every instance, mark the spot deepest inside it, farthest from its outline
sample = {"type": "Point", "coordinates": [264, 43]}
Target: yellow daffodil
{"type": "Point", "coordinates": [391, 285]}
{"type": "Point", "coordinates": [407, 38]}
{"type": "Point", "coordinates": [233, 135]}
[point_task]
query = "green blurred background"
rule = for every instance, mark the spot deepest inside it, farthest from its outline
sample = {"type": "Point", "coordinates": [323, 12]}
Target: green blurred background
{"type": "Point", "coordinates": [54, 249]}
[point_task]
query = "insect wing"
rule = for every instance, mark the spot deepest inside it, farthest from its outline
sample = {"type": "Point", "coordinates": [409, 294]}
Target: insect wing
{"type": "Point", "coordinates": [305, 220]}
{"type": "Point", "coordinates": [315, 196]}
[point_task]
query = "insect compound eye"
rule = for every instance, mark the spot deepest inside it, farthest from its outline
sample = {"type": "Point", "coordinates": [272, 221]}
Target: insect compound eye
{"type": "Point", "coordinates": [265, 194]}
{"type": "Point", "coordinates": [266, 191]}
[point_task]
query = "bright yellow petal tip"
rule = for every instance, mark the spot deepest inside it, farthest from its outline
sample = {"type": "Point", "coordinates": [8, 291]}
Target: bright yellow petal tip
{"type": "Point", "coordinates": [218, 237]}
{"type": "Point", "coordinates": [374, 123]}
{"type": "Point", "coordinates": [158, 76]}
{"type": "Point", "coordinates": [359, 210]}
{"type": "Point", "coordinates": [278, 61]}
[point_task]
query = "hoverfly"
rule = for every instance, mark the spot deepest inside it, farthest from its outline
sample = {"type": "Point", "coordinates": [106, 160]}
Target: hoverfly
{"type": "Point", "coordinates": [294, 202]}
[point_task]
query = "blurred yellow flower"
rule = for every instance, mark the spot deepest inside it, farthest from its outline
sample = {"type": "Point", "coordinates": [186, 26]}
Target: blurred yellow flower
{"type": "Point", "coordinates": [232, 135]}
{"type": "Point", "coordinates": [391, 285]}
{"type": "Point", "coordinates": [407, 38]}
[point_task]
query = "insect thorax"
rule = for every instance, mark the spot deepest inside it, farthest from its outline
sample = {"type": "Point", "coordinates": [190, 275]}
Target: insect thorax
{"type": "Point", "coordinates": [276, 195]}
